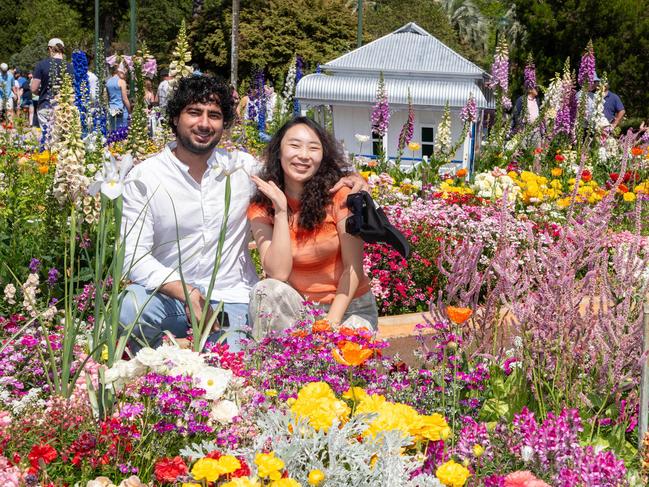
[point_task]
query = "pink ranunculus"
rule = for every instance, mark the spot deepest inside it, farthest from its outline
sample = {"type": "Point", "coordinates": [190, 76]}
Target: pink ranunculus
{"type": "Point", "coordinates": [521, 478]}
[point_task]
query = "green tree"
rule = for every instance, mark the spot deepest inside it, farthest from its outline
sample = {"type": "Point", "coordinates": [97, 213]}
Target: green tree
{"type": "Point", "coordinates": [53, 18]}
{"type": "Point", "coordinates": [10, 31]}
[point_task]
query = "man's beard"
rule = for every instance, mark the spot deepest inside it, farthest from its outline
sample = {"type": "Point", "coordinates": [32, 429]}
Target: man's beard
{"type": "Point", "coordinates": [187, 142]}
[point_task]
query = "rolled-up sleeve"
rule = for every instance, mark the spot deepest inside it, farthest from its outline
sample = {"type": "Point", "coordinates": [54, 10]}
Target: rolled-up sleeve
{"type": "Point", "coordinates": [138, 226]}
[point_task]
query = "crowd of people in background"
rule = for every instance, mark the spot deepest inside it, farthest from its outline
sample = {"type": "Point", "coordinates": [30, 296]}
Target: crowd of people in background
{"type": "Point", "coordinates": [29, 94]}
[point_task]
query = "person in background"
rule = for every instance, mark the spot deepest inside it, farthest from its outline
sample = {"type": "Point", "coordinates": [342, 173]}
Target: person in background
{"type": "Point", "coordinates": [47, 78]}
{"type": "Point", "coordinates": [150, 97]}
{"type": "Point", "coordinates": [164, 89]}
{"type": "Point", "coordinates": [6, 91]}
{"type": "Point", "coordinates": [93, 81]}
{"type": "Point", "coordinates": [118, 105]}
{"type": "Point", "coordinates": [25, 95]}
{"type": "Point", "coordinates": [613, 108]}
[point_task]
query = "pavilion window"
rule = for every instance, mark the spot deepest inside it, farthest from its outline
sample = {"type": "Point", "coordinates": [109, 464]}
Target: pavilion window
{"type": "Point", "coordinates": [377, 144]}
{"type": "Point", "coordinates": [427, 141]}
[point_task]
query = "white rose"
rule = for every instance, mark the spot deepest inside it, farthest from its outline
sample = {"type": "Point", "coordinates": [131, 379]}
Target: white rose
{"type": "Point", "coordinates": [224, 411]}
{"type": "Point", "coordinates": [150, 358]}
{"type": "Point", "coordinates": [214, 381]}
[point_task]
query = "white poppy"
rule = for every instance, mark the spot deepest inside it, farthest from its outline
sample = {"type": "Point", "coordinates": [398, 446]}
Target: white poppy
{"type": "Point", "coordinates": [214, 381]}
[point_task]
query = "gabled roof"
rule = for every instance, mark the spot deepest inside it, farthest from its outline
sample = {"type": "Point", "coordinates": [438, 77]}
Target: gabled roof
{"type": "Point", "coordinates": [409, 49]}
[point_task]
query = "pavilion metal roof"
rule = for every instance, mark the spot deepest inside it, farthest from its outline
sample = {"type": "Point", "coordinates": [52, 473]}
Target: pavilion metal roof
{"type": "Point", "coordinates": [322, 89]}
{"type": "Point", "coordinates": [409, 49]}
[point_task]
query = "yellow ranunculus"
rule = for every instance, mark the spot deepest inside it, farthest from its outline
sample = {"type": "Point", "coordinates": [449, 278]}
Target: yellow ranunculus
{"type": "Point", "coordinates": [556, 172]}
{"type": "Point", "coordinates": [241, 482]}
{"type": "Point", "coordinates": [434, 427]}
{"type": "Point", "coordinates": [228, 464]}
{"type": "Point", "coordinates": [207, 469]}
{"type": "Point", "coordinates": [452, 474]}
{"type": "Point", "coordinates": [629, 197]}
{"type": "Point", "coordinates": [285, 483]}
{"type": "Point", "coordinates": [318, 403]}
{"type": "Point", "coordinates": [414, 146]}
{"type": "Point", "coordinates": [269, 466]}
{"type": "Point", "coordinates": [316, 477]}
{"type": "Point", "coordinates": [478, 450]}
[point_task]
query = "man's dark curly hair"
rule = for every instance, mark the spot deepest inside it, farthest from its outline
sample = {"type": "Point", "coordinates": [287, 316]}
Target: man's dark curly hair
{"type": "Point", "coordinates": [200, 89]}
{"type": "Point", "coordinates": [315, 195]}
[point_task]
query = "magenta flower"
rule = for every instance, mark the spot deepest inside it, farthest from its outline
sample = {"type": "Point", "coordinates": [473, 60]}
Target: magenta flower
{"type": "Point", "coordinates": [586, 74]}
{"type": "Point", "coordinates": [530, 74]}
{"type": "Point", "coordinates": [500, 67]}
{"type": "Point", "coordinates": [381, 113]}
{"type": "Point", "coordinates": [469, 113]}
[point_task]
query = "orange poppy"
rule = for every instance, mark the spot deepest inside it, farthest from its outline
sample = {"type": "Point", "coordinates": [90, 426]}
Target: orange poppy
{"type": "Point", "coordinates": [43, 169]}
{"type": "Point", "coordinates": [461, 173]}
{"type": "Point", "coordinates": [637, 151]}
{"type": "Point", "coordinates": [299, 333]}
{"type": "Point", "coordinates": [458, 315]}
{"type": "Point", "coordinates": [372, 163]}
{"type": "Point", "coordinates": [623, 188]}
{"type": "Point", "coordinates": [351, 354]}
{"type": "Point", "coordinates": [321, 326]}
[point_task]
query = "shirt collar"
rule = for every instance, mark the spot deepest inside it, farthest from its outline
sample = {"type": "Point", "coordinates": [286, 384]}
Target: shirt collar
{"type": "Point", "coordinates": [182, 166]}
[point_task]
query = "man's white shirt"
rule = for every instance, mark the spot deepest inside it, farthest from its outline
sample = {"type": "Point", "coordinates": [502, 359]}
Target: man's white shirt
{"type": "Point", "coordinates": [176, 225]}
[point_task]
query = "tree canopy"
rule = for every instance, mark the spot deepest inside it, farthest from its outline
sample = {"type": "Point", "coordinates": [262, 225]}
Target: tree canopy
{"type": "Point", "coordinates": [272, 31]}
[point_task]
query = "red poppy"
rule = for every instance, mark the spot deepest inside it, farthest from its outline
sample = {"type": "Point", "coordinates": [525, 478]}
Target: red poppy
{"type": "Point", "coordinates": [169, 469]}
{"type": "Point", "coordinates": [559, 158]}
{"type": "Point", "coordinates": [43, 452]}
{"type": "Point", "coordinates": [622, 188]}
{"type": "Point", "coordinates": [586, 175]}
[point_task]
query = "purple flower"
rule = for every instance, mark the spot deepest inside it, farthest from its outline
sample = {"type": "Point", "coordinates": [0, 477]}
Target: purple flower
{"type": "Point", "coordinates": [150, 67]}
{"type": "Point", "coordinates": [530, 74]}
{"type": "Point", "coordinates": [381, 112]}
{"type": "Point", "coordinates": [34, 265]}
{"type": "Point", "coordinates": [469, 113]}
{"type": "Point", "coordinates": [52, 276]}
{"type": "Point", "coordinates": [586, 74]}
{"type": "Point", "coordinates": [500, 67]}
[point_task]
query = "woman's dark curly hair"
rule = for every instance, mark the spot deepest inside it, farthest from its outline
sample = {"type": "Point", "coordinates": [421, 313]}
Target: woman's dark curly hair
{"type": "Point", "coordinates": [200, 89]}
{"type": "Point", "coordinates": [315, 195]}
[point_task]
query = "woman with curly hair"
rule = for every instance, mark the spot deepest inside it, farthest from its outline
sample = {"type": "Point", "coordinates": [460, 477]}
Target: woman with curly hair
{"type": "Point", "coordinates": [299, 226]}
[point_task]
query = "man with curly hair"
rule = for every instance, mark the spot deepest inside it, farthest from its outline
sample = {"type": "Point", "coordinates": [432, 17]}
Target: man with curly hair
{"type": "Point", "coordinates": [172, 229]}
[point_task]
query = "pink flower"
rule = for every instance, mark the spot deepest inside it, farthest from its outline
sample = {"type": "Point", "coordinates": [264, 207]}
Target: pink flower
{"type": "Point", "coordinates": [523, 478]}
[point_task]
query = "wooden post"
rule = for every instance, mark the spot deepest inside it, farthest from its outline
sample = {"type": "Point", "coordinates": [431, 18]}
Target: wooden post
{"type": "Point", "coordinates": [644, 378]}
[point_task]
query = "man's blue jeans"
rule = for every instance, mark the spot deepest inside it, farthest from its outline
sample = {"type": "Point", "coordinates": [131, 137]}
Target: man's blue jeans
{"type": "Point", "coordinates": [159, 313]}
